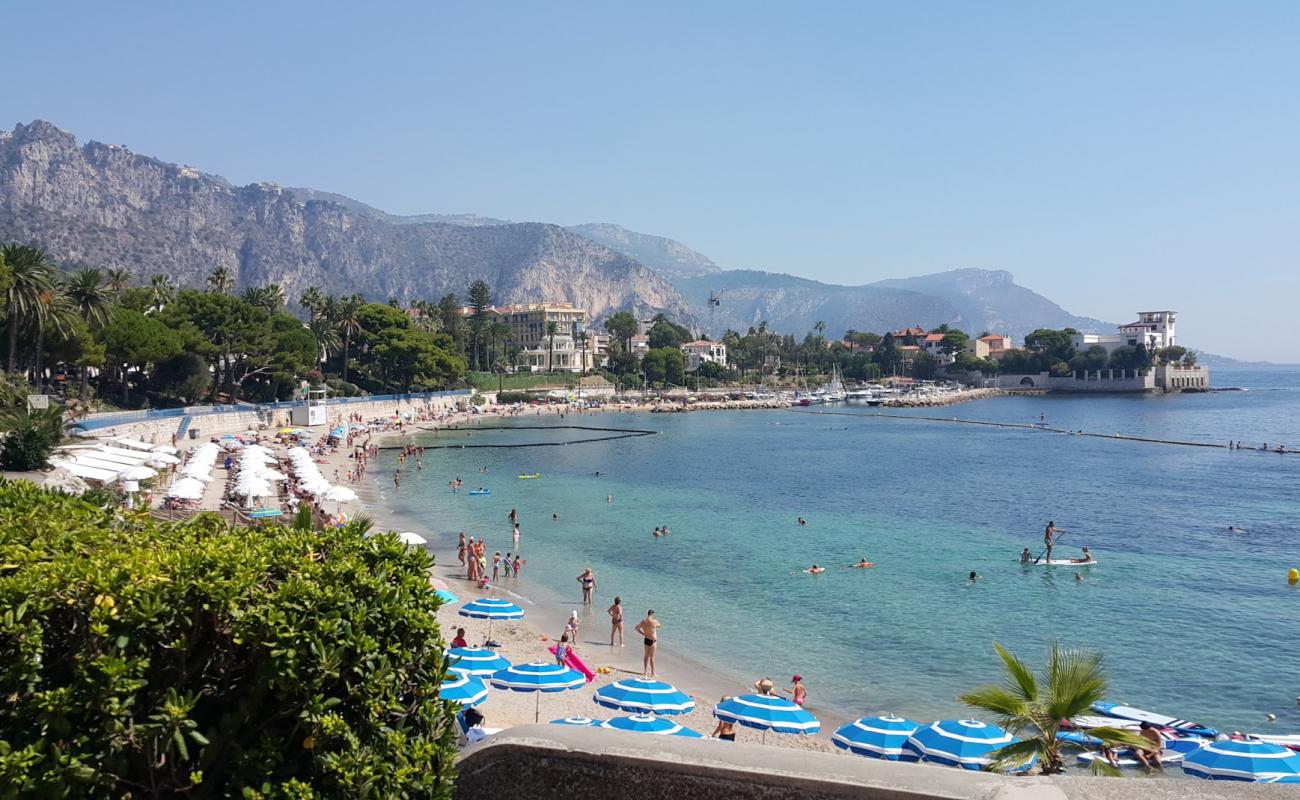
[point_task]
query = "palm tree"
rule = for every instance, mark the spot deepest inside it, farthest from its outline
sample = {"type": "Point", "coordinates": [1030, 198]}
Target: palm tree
{"type": "Point", "coordinates": [30, 277]}
{"type": "Point", "coordinates": [118, 280]}
{"type": "Point", "coordinates": [90, 296]}
{"type": "Point", "coordinates": [552, 328]}
{"type": "Point", "coordinates": [269, 297]}
{"type": "Point", "coordinates": [851, 337]}
{"type": "Point", "coordinates": [220, 281]}
{"type": "Point", "coordinates": [54, 311]}
{"type": "Point", "coordinates": [581, 336]}
{"type": "Point", "coordinates": [327, 337]}
{"type": "Point", "coordinates": [1033, 706]}
{"type": "Point", "coordinates": [162, 292]}
{"type": "Point", "coordinates": [311, 299]}
{"type": "Point", "coordinates": [497, 332]}
{"type": "Point", "coordinates": [347, 318]}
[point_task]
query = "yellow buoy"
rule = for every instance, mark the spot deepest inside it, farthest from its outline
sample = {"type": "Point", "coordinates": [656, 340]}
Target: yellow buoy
{"type": "Point", "coordinates": [1293, 575]}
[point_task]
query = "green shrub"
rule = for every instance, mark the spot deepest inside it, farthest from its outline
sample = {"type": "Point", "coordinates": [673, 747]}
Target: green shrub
{"type": "Point", "coordinates": [150, 659]}
{"type": "Point", "coordinates": [29, 438]}
{"type": "Point", "coordinates": [506, 398]}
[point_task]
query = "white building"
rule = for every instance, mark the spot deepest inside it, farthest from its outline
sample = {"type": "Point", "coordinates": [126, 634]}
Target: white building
{"type": "Point", "coordinates": [932, 343]}
{"type": "Point", "coordinates": [703, 350]}
{"type": "Point", "coordinates": [1154, 330]}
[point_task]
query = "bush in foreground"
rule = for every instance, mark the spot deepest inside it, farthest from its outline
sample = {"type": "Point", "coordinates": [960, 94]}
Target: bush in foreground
{"type": "Point", "coordinates": [196, 659]}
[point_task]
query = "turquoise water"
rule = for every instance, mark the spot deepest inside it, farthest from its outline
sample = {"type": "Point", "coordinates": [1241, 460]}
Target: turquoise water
{"type": "Point", "coordinates": [1194, 622]}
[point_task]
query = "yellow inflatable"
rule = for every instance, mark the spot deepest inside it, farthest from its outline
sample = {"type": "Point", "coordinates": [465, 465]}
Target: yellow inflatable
{"type": "Point", "coordinates": [1293, 576]}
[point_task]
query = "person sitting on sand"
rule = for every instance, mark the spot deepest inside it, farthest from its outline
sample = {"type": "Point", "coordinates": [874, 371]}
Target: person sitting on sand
{"type": "Point", "coordinates": [1026, 556]}
{"type": "Point", "coordinates": [1084, 559]}
{"type": "Point", "coordinates": [815, 570]}
{"type": "Point", "coordinates": [863, 564]}
{"type": "Point", "coordinates": [1151, 753]}
{"type": "Point", "coordinates": [724, 730]}
{"type": "Point", "coordinates": [459, 641]}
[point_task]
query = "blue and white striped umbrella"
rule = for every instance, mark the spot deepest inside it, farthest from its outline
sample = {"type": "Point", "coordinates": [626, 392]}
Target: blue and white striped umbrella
{"type": "Point", "coordinates": [767, 712]}
{"type": "Point", "coordinates": [581, 722]}
{"type": "Point", "coordinates": [493, 608]}
{"type": "Point", "coordinates": [964, 743]}
{"type": "Point", "coordinates": [876, 737]}
{"type": "Point", "coordinates": [538, 677]}
{"type": "Point", "coordinates": [1242, 760]}
{"type": "Point", "coordinates": [463, 688]}
{"type": "Point", "coordinates": [648, 723]}
{"type": "Point", "coordinates": [477, 660]}
{"type": "Point", "coordinates": [644, 695]}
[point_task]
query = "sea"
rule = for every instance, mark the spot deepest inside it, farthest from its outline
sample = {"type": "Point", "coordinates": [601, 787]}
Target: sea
{"type": "Point", "coordinates": [1193, 621]}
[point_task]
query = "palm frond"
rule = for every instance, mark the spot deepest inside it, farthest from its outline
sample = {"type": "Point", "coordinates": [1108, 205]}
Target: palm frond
{"type": "Point", "coordinates": [1075, 680]}
{"type": "Point", "coordinates": [1016, 755]}
{"type": "Point", "coordinates": [1020, 678]}
{"type": "Point", "coordinates": [1012, 711]}
{"type": "Point", "coordinates": [1115, 737]}
{"type": "Point", "coordinates": [1103, 768]}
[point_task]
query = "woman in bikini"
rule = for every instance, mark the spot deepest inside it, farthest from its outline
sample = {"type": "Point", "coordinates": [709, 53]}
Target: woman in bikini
{"type": "Point", "coordinates": [588, 581]}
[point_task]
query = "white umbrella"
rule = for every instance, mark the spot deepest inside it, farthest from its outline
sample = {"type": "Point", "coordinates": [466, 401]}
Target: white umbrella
{"type": "Point", "coordinates": [255, 489]}
{"type": "Point", "coordinates": [272, 475]}
{"type": "Point", "coordinates": [411, 537]}
{"type": "Point", "coordinates": [164, 448]}
{"type": "Point", "coordinates": [162, 460]}
{"type": "Point", "coordinates": [186, 489]}
{"type": "Point", "coordinates": [137, 474]}
{"type": "Point", "coordinates": [339, 494]}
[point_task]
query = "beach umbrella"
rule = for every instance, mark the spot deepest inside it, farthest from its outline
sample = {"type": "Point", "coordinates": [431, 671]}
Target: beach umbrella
{"type": "Point", "coordinates": [162, 460]}
{"type": "Point", "coordinates": [648, 723]}
{"type": "Point", "coordinates": [766, 712]}
{"type": "Point", "coordinates": [644, 695]}
{"type": "Point", "coordinates": [538, 677]}
{"type": "Point", "coordinates": [582, 722]}
{"type": "Point", "coordinates": [477, 660]}
{"type": "Point", "coordinates": [964, 743]}
{"type": "Point", "coordinates": [186, 489]}
{"type": "Point", "coordinates": [491, 609]}
{"type": "Point", "coordinates": [444, 592]}
{"type": "Point", "coordinates": [140, 473]}
{"type": "Point", "coordinates": [1242, 760]}
{"type": "Point", "coordinates": [339, 494]}
{"type": "Point", "coordinates": [411, 537]}
{"type": "Point", "coordinates": [876, 737]}
{"type": "Point", "coordinates": [462, 688]}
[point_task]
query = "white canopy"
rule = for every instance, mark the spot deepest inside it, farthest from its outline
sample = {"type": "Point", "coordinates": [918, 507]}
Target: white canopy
{"type": "Point", "coordinates": [87, 471]}
{"type": "Point", "coordinates": [99, 463]}
{"type": "Point", "coordinates": [186, 489]}
{"type": "Point", "coordinates": [339, 494]}
{"type": "Point", "coordinates": [137, 473]}
{"type": "Point", "coordinates": [164, 448]}
{"type": "Point", "coordinates": [161, 460]}
{"type": "Point", "coordinates": [134, 444]}
{"type": "Point", "coordinates": [116, 455]}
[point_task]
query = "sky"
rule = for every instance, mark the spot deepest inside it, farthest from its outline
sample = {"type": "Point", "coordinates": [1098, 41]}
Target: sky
{"type": "Point", "coordinates": [1114, 156]}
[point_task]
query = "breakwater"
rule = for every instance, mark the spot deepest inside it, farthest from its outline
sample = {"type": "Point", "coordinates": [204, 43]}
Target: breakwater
{"type": "Point", "coordinates": [718, 405]}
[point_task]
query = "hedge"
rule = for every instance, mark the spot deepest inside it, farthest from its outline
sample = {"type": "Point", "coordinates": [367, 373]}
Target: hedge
{"type": "Point", "coordinates": [197, 659]}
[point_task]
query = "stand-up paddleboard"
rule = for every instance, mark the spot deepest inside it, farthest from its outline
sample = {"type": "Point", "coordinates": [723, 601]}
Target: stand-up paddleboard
{"type": "Point", "coordinates": [1289, 742]}
{"type": "Point", "coordinates": [1086, 721]}
{"type": "Point", "coordinates": [1138, 715]}
{"type": "Point", "coordinates": [1080, 738]}
{"type": "Point", "coordinates": [480, 492]}
{"type": "Point", "coordinates": [1126, 760]}
{"type": "Point", "coordinates": [1061, 562]}
{"type": "Point", "coordinates": [573, 662]}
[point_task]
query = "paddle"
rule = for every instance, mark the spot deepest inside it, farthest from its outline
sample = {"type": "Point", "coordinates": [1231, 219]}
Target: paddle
{"type": "Point", "coordinates": [1055, 539]}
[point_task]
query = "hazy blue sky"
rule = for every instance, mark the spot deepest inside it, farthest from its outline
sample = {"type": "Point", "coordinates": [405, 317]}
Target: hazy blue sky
{"type": "Point", "coordinates": [1114, 156]}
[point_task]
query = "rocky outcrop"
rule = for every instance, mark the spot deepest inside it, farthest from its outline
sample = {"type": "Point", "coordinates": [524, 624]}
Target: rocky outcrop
{"type": "Point", "coordinates": [668, 256]}
{"type": "Point", "coordinates": [106, 206]}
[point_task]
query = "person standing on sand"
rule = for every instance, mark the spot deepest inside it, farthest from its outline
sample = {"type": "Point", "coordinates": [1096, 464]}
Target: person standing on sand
{"type": "Point", "coordinates": [649, 630]}
{"type": "Point", "coordinates": [514, 518]}
{"type": "Point", "coordinates": [616, 621]}
{"type": "Point", "coordinates": [724, 730]}
{"type": "Point", "coordinates": [460, 549]}
{"type": "Point", "coordinates": [798, 692]}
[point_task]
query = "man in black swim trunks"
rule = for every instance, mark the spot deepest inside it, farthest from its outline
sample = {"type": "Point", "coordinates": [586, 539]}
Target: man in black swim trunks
{"type": "Point", "coordinates": [1049, 537]}
{"type": "Point", "coordinates": [649, 630]}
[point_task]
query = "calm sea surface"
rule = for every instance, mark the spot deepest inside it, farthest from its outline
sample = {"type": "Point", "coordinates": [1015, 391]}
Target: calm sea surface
{"type": "Point", "coordinates": [1194, 621]}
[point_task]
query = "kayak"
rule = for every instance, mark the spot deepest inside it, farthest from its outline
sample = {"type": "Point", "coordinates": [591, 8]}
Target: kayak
{"type": "Point", "coordinates": [480, 492]}
{"type": "Point", "coordinates": [1127, 760]}
{"type": "Point", "coordinates": [1138, 715]}
{"type": "Point", "coordinates": [530, 477]}
{"type": "Point", "coordinates": [1061, 562]}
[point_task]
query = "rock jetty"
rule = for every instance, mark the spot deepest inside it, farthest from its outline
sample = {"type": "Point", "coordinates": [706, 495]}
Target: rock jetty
{"type": "Point", "coordinates": [953, 398]}
{"type": "Point", "coordinates": [717, 405]}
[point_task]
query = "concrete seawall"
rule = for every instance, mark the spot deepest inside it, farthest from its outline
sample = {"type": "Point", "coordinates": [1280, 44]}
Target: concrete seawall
{"type": "Point", "coordinates": [551, 761]}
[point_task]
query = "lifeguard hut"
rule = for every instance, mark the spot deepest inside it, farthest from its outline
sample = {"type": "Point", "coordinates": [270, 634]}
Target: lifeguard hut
{"type": "Point", "coordinates": [312, 413]}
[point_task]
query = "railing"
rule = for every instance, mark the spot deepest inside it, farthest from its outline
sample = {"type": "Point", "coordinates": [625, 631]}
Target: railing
{"type": "Point", "coordinates": [114, 418]}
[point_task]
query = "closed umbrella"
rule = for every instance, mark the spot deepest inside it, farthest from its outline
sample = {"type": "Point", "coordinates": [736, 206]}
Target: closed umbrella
{"type": "Point", "coordinates": [1242, 760]}
{"type": "Point", "coordinates": [645, 696]}
{"type": "Point", "coordinates": [876, 737]}
{"type": "Point", "coordinates": [491, 609]}
{"type": "Point", "coordinates": [648, 723]}
{"type": "Point", "coordinates": [477, 660]}
{"type": "Point", "coordinates": [538, 677]}
{"type": "Point", "coordinates": [766, 712]}
{"type": "Point", "coordinates": [462, 688]}
{"type": "Point", "coordinates": [964, 743]}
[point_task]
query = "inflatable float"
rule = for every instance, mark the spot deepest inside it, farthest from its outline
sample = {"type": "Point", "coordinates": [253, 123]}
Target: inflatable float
{"type": "Point", "coordinates": [530, 477]}
{"type": "Point", "coordinates": [480, 492]}
{"type": "Point", "coordinates": [573, 662]}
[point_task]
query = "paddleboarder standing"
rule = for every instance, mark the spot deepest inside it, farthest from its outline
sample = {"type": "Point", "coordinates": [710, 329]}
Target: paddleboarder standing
{"type": "Point", "coordinates": [1049, 538]}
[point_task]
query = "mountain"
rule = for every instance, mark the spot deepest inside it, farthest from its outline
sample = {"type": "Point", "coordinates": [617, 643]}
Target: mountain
{"type": "Point", "coordinates": [365, 210]}
{"type": "Point", "coordinates": [973, 300]}
{"type": "Point", "coordinates": [992, 300]}
{"type": "Point", "coordinates": [793, 305]}
{"type": "Point", "coordinates": [671, 258]}
{"type": "Point", "coordinates": [107, 206]}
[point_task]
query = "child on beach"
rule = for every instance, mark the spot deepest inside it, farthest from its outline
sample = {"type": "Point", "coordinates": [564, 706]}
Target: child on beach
{"type": "Point", "coordinates": [571, 628]}
{"type": "Point", "coordinates": [518, 563]}
{"type": "Point", "coordinates": [496, 565]}
{"type": "Point", "coordinates": [505, 565]}
{"type": "Point", "coordinates": [562, 650]}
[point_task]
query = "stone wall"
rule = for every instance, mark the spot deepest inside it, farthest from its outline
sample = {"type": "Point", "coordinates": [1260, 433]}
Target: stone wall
{"type": "Point", "coordinates": [552, 762]}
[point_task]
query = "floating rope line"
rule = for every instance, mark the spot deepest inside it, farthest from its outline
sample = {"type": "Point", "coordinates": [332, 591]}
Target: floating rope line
{"type": "Point", "coordinates": [614, 433]}
{"type": "Point", "coordinates": [1041, 427]}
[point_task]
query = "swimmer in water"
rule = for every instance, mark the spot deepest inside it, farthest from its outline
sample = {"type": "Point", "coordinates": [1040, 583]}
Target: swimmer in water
{"type": "Point", "coordinates": [1078, 577]}
{"type": "Point", "coordinates": [1026, 556]}
{"type": "Point", "coordinates": [657, 533]}
{"type": "Point", "coordinates": [863, 564]}
{"type": "Point", "coordinates": [815, 570]}
{"type": "Point", "coordinates": [973, 576]}
{"type": "Point", "coordinates": [803, 521]}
